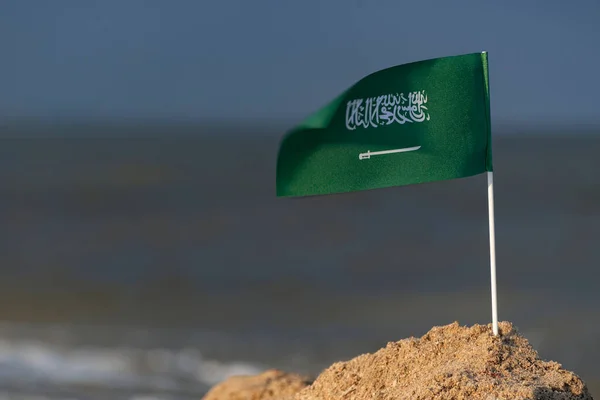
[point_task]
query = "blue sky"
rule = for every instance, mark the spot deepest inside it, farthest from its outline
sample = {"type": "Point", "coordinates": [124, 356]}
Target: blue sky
{"type": "Point", "coordinates": [281, 59]}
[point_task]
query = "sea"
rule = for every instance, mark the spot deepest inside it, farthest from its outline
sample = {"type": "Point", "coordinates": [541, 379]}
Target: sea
{"type": "Point", "coordinates": [153, 262]}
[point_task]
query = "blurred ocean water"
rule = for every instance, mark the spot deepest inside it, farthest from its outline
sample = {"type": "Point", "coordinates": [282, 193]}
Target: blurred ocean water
{"type": "Point", "coordinates": [148, 266]}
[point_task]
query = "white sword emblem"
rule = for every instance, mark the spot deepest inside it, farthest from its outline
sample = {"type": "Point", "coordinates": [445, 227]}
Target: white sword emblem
{"type": "Point", "coordinates": [369, 153]}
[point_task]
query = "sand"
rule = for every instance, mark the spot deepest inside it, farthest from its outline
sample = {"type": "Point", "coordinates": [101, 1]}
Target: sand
{"type": "Point", "coordinates": [271, 384]}
{"type": "Point", "coordinates": [449, 362]}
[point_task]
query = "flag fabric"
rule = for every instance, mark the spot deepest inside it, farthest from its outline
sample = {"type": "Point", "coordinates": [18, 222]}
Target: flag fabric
{"type": "Point", "coordinates": [413, 123]}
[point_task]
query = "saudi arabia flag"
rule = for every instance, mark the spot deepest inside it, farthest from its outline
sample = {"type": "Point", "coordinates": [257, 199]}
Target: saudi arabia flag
{"type": "Point", "coordinates": [414, 123]}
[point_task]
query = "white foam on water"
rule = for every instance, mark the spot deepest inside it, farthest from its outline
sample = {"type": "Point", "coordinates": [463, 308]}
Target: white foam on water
{"type": "Point", "coordinates": [25, 396]}
{"type": "Point", "coordinates": [162, 370]}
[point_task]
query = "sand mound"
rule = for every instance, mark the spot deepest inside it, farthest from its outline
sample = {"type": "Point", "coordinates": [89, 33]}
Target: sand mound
{"type": "Point", "coordinates": [271, 384]}
{"type": "Point", "coordinates": [449, 362]}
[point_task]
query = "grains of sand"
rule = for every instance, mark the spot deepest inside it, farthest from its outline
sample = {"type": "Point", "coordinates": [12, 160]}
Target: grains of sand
{"type": "Point", "coordinates": [269, 385]}
{"type": "Point", "coordinates": [449, 362]}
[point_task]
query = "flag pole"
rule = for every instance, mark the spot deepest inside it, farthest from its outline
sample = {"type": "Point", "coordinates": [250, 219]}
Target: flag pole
{"type": "Point", "coordinates": [490, 179]}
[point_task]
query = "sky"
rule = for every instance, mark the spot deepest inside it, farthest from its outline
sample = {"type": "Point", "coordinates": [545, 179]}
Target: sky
{"type": "Point", "coordinates": [262, 60]}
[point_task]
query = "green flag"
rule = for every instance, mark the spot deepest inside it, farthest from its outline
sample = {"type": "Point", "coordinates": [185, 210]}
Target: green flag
{"type": "Point", "coordinates": [413, 123]}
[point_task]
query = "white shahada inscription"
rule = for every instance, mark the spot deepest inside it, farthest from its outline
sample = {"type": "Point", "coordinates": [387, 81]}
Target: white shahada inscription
{"type": "Point", "coordinates": [388, 109]}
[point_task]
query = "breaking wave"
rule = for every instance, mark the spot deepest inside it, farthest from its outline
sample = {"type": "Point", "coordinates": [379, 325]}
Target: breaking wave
{"type": "Point", "coordinates": [28, 363]}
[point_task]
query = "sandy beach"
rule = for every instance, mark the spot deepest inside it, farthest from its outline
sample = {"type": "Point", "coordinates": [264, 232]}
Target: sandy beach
{"type": "Point", "coordinates": [449, 362]}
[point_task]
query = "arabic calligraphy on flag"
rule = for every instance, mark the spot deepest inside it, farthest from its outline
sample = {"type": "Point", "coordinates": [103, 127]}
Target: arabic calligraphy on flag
{"type": "Point", "coordinates": [386, 110]}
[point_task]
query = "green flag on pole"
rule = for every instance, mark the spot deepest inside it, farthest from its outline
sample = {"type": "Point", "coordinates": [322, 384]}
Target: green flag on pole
{"type": "Point", "coordinates": [413, 123]}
